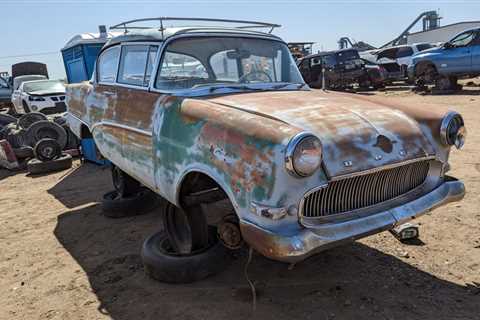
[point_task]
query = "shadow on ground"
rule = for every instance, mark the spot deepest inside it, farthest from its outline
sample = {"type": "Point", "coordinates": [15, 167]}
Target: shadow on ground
{"type": "Point", "coordinates": [81, 185]}
{"type": "Point", "coordinates": [350, 282]}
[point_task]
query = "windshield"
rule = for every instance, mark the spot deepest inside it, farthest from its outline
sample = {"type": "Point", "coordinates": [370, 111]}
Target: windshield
{"type": "Point", "coordinates": [50, 86]}
{"type": "Point", "coordinates": [195, 62]}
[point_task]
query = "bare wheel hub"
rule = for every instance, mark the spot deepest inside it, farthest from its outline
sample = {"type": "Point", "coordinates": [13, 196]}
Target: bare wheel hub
{"type": "Point", "coordinates": [230, 235]}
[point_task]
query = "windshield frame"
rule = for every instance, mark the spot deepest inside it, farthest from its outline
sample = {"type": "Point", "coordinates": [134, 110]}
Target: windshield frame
{"type": "Point", "coordinates": [206, 90]}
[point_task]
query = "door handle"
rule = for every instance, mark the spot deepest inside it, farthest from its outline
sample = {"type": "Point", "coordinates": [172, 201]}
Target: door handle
{"type": "Point", "coordinates": [108, 93]}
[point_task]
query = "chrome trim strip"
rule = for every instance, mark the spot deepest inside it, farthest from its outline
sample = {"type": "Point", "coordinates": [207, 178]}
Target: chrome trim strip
{"type": "Point", "coordinates": [388, 166]}
{"type": "Point", "coordinates": [122, 126]}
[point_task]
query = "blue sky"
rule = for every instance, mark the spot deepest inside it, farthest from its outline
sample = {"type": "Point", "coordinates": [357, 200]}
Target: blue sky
{"type": "Point", "coordinates": [44, 26]}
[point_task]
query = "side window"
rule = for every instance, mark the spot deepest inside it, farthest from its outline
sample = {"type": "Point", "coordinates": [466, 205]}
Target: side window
{"type": "Point", "coordinates": [404, 52]}
{"type": "Point", "coordinates": [303, 66]}
{"type": "Point", "coordinates": [133, 64]}
{"type": "Point", "coordinates": [329, 61]}
{"type": "Point", "coordinates": [108, 64]}
{"type": "Point", "coordinates": [463, 39]}
{"type": "Point", "coordinates": [316, 61]}
{"type": "Point", "coordinates": [152, 56]}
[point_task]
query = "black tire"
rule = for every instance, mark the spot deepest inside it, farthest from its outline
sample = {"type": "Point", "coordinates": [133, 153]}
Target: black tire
{"type": "Point", "coordinates": [25, 107]}
{"type": "Point", "coordinates": [6, 119]}
{"type": "Point", "coordinates": [47, 150]}
{"type": "Point", "coordinates": [24, 152]}
{"type": "Point", "coordinates": [46, 129]}
{"type": "Point", "coordinates": [26, 120]}
{"type": "Point", "coordinates": [36, 166]}
{"type": "Point", "coordinates": [187, 229]}
{"type": "Point", "coordinates": [115, 206]}
{"type": "Point", "coordinates": [163, 264]}
{"type": "Point", "coordinates": [123, 183]}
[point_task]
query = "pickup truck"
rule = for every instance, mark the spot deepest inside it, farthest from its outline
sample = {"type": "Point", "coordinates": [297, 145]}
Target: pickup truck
{"type": "Point", "coordinates": [218, 115]}
{"type": "Point", "coordinates": [443, 66]}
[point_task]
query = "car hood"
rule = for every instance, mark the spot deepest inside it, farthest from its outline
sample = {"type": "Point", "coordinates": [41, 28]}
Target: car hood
{"type": "Point", "coordinates": [356, 134]}
{"type": "Point", "coordinates": [428, 52]}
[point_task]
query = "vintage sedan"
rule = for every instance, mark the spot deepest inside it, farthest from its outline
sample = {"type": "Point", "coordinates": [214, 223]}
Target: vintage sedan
{"type": "Point", "coordinates": [209, 115]}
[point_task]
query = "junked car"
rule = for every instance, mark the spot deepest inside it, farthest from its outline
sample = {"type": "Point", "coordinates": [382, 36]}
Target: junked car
{"type": "Point", "coordinates": [456, 59]}
{"type": "Point", "coordinates": [220, 116]}
{"type": "Point", "coordinates": [45, 96]}
{"type": "Point", "coordinates": [339, 70]}
{"type": "Point", "coordinates": [395, 60]}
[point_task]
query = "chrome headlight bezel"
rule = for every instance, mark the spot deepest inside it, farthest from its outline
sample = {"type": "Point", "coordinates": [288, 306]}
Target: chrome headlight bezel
{"type": "Point", "coordinates": [294, 143]}
{"type": "Point", "coordinates": [452, 130]}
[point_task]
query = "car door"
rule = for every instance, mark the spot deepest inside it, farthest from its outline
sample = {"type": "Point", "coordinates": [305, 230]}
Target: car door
{"type": "Point", "coordinates": [136, 104]}
{"type": "Point", "coordinates": [457, 57]}
{"type": "Point", "coordinates": [304, 68]}
{"type": "Point", "coordinates": [476, 54]}
{"type": "Point", "coordinates": [102, 115]}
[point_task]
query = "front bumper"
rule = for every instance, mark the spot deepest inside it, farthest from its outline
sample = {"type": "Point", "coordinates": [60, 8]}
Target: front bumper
{"type": "Point", "coordinates": [296, 245]}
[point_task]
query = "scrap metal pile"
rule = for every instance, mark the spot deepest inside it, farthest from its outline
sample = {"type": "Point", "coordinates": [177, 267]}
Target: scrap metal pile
{"type": "Point", "coordinates": [36, 142]}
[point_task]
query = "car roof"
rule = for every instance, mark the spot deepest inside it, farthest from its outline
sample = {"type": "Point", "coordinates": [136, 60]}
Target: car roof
{"type": "Point", "coordinates": [156, 35]}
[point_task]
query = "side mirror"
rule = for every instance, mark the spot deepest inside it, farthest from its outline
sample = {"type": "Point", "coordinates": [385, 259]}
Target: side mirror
{"type": "Point", "coordinates": [447, 45]}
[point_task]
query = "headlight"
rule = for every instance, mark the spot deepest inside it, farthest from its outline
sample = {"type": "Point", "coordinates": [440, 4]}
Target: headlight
{"type": "Point", "coordinates": [452, 130]}
{"type": "Point", "coordinates": [304, 155]}
{"type": "Point", "coordinates": [32, 98]}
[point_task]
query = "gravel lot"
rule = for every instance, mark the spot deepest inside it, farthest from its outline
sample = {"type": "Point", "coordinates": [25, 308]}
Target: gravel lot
{"type": "Point", "coordinates": [60, 258]}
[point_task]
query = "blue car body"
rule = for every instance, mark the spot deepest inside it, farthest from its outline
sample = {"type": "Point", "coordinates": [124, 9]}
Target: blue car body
{"type": "Point", "coordinates": [460, 57]}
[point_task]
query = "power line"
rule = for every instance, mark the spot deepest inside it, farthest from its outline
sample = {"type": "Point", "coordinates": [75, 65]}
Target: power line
{"type": "Point", "coordinates": [30, 55]}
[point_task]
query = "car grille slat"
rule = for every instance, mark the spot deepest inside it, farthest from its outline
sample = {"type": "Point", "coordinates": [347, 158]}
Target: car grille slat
{"type": "Point", "coordinates": [364, 190]}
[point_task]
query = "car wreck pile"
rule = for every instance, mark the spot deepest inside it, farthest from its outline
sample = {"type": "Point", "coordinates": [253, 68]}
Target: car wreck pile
{"type": "Point", "coordinates": [36, 142]}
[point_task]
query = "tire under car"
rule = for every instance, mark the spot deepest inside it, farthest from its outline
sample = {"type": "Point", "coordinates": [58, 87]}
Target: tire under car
{"type": "Point", "coordinates": [162, 263]}
{"type": "Point", "coordinates": [116, 206]}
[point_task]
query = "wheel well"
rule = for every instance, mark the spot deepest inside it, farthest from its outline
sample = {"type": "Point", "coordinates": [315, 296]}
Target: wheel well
{"type": "Point", "coordinates": [422, 66]}
{"type": "Point", "coordinates": [85, 132]}
{"type": "Point", "coordinates": [198, 188]}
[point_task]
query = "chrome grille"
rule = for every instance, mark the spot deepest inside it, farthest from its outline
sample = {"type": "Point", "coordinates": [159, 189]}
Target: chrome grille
{"type": "Point", "coordinates": [364, 190]}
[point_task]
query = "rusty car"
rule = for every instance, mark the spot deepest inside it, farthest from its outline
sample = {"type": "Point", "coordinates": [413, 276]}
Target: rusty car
{"type": "Point", "coordinates": [218, 121]}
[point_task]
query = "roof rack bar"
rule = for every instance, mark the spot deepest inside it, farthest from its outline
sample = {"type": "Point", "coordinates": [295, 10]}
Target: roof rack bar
{"type": "Point", "coordinates": [249, 24]}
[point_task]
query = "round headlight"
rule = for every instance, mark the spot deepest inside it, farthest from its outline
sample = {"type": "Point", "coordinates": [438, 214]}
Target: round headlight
{"type": "Point", "coordinates": [304, 155]}
{"type": "Point", "coordinates": [453, 131]}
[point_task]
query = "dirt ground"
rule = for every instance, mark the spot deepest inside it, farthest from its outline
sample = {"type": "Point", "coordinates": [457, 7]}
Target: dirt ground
{"type": "Point", "coordinates": [60, 258]}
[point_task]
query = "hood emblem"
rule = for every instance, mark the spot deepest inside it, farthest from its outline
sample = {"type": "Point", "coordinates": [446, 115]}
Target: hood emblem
{"type": "Point", "coordinates": [384, 143]}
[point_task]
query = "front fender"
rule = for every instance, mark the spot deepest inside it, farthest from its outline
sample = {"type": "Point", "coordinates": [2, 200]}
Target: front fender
{"type": "Point", "coordinates": [243, 152]}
